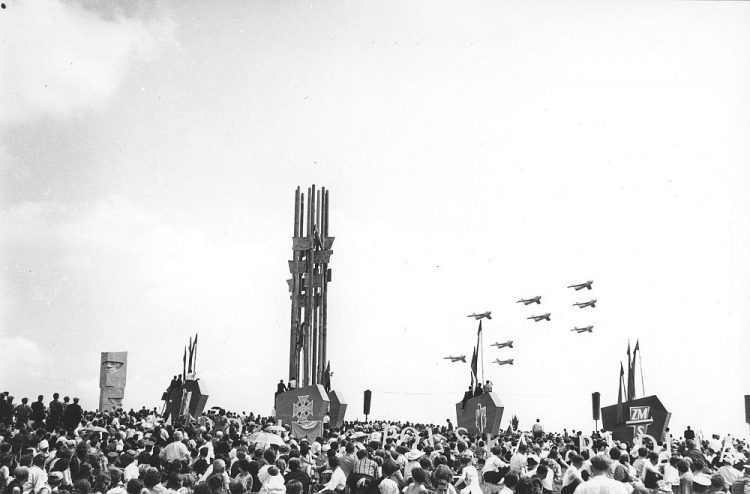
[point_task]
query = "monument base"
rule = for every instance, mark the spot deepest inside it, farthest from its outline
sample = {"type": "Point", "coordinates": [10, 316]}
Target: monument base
{"type": "Point", "coordinates": [190, 398]}
{"type": "Point", "coordinates": [337, 409]}
{"type": "Point", "coordinates": [302, 404]}
{"type": "Point", "coordinates": [645, 415]}
{"type": "Point", "coordinates": [481, 414]}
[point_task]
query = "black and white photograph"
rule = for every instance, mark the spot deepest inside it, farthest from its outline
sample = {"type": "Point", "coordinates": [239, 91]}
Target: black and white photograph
{"type": "Point", "coordinates": [374, 246]}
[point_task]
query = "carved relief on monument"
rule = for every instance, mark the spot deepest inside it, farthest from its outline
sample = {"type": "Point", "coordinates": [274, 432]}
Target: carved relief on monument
{"type": "Point", "coordinates": [112, 380]}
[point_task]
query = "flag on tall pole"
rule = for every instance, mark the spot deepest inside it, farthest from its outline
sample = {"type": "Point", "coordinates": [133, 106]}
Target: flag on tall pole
{"type": "Point", "coordinates": [631, 377]}
{"type": "Point", "coordinates": [190, 361]}
{"type": "Point", "coordinates": [619, 397]}
{"type": "Point", "coordinates": [474, 369]}
{"type": "Point", "coordinates": [195, 353]}
{"type": "Point", "coordinates": [478, 350]}
{"type": "Point", "coordinates": [640, 364]}
{"type": "Point", "coordinates": [184, 365]}
{"type": "Point", "coordinates": [635, 351]}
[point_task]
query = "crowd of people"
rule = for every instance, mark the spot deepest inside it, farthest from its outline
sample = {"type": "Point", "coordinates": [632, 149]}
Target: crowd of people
{"type": "Point", "coordinates": [60, 448]}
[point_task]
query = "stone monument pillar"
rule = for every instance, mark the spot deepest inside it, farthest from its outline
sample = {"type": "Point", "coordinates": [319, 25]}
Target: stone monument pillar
{"type": "Point", "coordinates": [112, 375]}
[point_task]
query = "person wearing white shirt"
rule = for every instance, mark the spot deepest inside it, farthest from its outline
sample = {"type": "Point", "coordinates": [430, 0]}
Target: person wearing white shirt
{"type": "Point", "coordinates": [469, 477]}
{"type": "Point", "coordinates": [599, 483]}
{"type": "Point", "coordinates": [491, 471]}
{"type": "Point", "coordinates": [518, 461]}
{"type": "Point", "coordinates": [572, 476]}
{"type": "Point", "coordinates": [649, 479]}
{"type": "Point", "coordinates": [338, 478]}
{"type": "Point", "coordinates": [131, 468]}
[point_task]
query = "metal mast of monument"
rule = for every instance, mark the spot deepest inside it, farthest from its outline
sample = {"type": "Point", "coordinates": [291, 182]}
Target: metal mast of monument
{"type": "Point", "coordinates": [311, 253]}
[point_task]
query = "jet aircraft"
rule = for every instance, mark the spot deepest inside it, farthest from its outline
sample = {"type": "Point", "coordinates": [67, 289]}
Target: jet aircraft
{"type": "Point", "coordinates": [536, 299]}
{"type": "Point", "coordinates": [481, 316]}
{"type": "Point", "coordinates": [508, 344]}
{"type": "Point", "coordinates": [587, 329]}
{"type": "Point", "coordinates": [582, 285]}
{"type": "Point", "coordinates": [503, 362]}
{"type": "Point", "coordinates": [460, 358]}
{"type": "Point", "coordinates": [539, 318]}
{"type": "Point", "coordinates": [590, 303]}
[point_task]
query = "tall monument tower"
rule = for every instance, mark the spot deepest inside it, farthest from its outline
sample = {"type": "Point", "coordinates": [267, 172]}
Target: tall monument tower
{"type": "Point", "coordinates": [309, 366]}
{"type": "Point", "coordinates": [311, 253]}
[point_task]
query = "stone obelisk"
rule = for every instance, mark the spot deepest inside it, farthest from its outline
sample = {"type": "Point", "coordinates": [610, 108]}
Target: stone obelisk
{"type": "Point", "coordinates": [112, 378]}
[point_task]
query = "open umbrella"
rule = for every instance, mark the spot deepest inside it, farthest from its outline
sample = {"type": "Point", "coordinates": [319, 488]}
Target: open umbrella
{"type": "Point", "coordinates": [265, 439]}
{"type": "Point", "coordinates": [94, 428]}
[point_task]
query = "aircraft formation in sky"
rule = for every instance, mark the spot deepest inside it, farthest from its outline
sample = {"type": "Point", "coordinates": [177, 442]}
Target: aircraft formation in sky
{"type": "Point", "coordinates": [538, 318]}
{"type": "Point", "coordinates": [580, 305]}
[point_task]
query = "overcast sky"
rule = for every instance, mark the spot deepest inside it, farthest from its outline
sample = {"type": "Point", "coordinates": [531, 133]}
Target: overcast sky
{"type": "Point", "coordinates": [475, 153]}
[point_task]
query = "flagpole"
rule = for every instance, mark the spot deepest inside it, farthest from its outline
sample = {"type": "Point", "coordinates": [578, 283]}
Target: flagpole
{"type": "Point", "coordinates": [195, 355]}
{"type": "Point", "coordinates": [640, 363]}
{"type": "Point", "coordinates": [481, 346]}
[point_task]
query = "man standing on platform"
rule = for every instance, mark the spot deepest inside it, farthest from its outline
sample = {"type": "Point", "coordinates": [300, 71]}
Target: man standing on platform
{"type": "Point", "coordinates": [38, 413]}
{"type": "Point", "coordinates": [467, 395]}
{"type": "Point", "coordinates": [689, 433]}
{"type": "Point", "coordinates": [55, 412]}
{"type": "Point", "coordinates": [280, 388]}
{"type": "Point", "coordinates": [537, 429]}
{"type": "Point", "coordinates": [73, 414]}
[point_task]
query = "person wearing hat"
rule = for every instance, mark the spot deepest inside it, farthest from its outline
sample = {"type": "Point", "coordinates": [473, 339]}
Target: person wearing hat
{"type": "Point", "coordinates": [54, 480]}
{"type": "Point", "coordinates": [412, 457]}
